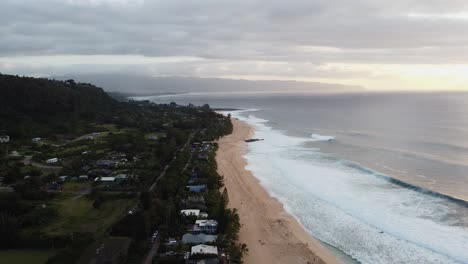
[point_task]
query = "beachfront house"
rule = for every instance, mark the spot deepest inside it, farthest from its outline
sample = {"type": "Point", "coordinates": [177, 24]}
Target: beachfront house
{"type": "Point", "coordinates": [197, 188]}
{"type": "Point", "coordinates": [205, 225]}
{"type": "Point", "coordinates": [4, 139]}
{"type": "Point", "coordinates": [204, 250]}
{"type": "Point", "coordinates": [190, 212]}
{"type": "Point", "coordinates": [198, 238]}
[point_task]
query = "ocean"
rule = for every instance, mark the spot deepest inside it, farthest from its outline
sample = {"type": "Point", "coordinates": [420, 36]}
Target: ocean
{"type": "Point", "coordinates": [377, 177]}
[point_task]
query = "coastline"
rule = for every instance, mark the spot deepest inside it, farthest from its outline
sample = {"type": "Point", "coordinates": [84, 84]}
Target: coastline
{"type": "Point", "coordinates": [271, 234]}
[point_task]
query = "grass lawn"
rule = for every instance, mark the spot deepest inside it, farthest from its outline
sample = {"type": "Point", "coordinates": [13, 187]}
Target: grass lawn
{"type": "Point", "coordinates": [78, 215]}
{"type": "Point", "coordinates": [25, 256]}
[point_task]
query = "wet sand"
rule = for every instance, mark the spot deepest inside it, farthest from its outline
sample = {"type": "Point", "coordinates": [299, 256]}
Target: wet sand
{"type": "Point", "coordinates": [271, 234]}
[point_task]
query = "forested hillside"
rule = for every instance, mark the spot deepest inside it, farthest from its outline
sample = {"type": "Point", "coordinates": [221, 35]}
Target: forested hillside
{"type": "Point", "coordinates": [35, 106]}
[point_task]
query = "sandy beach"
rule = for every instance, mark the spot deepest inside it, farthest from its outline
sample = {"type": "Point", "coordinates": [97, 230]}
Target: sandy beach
{"type": "Point", "coordinates": [272, 235]}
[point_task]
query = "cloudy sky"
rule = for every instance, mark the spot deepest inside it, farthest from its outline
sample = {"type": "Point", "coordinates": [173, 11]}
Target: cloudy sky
{"type": "Point", "coordinates": [379, 44]}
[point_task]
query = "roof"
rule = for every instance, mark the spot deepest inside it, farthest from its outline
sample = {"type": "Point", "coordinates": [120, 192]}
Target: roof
{"type": "Point", "coordinates": [188, 212]}
{"type": "Point", "coordinates": [208, 261]}
{"type": "Point", "coordinates": [197, 188]}
{"type": "Point", "coordinates": [105, 179]}
{"type": "Point", "coordinates": [198, 239]}
{"type": "Point", "coordinates": [204, 249]}
{"type": "Point", "coordinates": [208, 222]}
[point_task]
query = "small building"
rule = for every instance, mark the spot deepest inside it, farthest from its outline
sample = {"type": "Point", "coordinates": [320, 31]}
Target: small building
{"type": "Point", "coordinates": [204, 250]}
{"type": "Point", "coordinates": [171, 241]}
{"type": "Point", "coordinates": [190, 212]}
{"type": "Point", "coordinates": [198, 239]}
{"type": "Point", "coordinates": [63, 178]}
{"type": "Point", "coordinates": [197, 188]}
{"type": "Point", "coordinates": [111, 180]}
{"type": "Point", "coordinates": [36, 139]}
{"type": "Point", "coordinates": [105, 179]}
{"type": "Point", "coordinates": [52, 161]}
{"type": "Point", "coordinates": [206, 225]}
{"type": "Point", "coordinates": [4, 139]}
{"type": "Point", "coordinates": [83, 177]}
{"type": "Point", "coordinates": [15, 154]}
{"type": "Point", "coordinates": [208, 261]}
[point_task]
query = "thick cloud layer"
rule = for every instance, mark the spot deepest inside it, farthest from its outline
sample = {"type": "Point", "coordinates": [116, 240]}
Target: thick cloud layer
{"type": "Point", "coordinates": [224, 37]}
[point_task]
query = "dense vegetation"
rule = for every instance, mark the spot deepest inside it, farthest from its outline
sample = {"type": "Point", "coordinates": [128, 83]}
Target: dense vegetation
{"type": "Point", "coordinates": [92, 135]}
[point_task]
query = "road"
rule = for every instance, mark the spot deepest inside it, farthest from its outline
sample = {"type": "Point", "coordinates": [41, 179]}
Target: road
{"type": "Point", "coordinates": [163, 173]}
{"type": "Point", "coordinates": [152, 252]}
{"type": "Point", "coordinates": [148, 259]}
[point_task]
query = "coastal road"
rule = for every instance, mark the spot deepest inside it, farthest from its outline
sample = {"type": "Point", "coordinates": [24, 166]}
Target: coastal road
{"type": "Point", "coordinates": [148, 259]}
{"type": "Point", "coordinates": [163, 173]}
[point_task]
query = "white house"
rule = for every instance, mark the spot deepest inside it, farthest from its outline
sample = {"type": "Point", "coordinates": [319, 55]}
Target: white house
{"type": "Point", "coordinates": [4, 139]}
{"type": "Point", "coordinates": [209, 225]}
{"type": "Point", "coordinates": [190, 212]}
{"type": "Point", "coordinates": [51, 161]}
{"type": "Point", "coordinates": [204, 249]}
{"type": "Point", "coordinates": [104, 179]}
{"type": "Point", "coordinates": [63, 178]}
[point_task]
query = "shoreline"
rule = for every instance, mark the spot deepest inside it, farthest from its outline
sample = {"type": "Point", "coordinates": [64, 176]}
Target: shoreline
{"type": "Point", "coordinates": [271, 234]}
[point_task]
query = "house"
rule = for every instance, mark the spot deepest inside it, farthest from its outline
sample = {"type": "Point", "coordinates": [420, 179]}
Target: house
{"type": "Point", "coordinates": [63, 178]}
{"type": "Point", "coordinates": [171, 241]}
{"type": "Point", "coordinates": [208, 261]}
{"type": "Point", "coordinates": [51, 161]}
{"type": "Point", "coordinates": [204, 250]}
{"type": "Point", "coordinates": [36, 139]}
{"type": "Point", "coordinates": [116, 179]}
{"type": "Point", "coordinates": [4, 139]}
{"type": "Point", "coordinates": [198, 239]}
{"type": "Point", "coordinates": [105, 179]}
{"type": "Point", "coordinates": [205, 225]}
{"type": "Point", "coordinates": [190, 212]}
{"type": "Point", "coordinates": [197, 188]}
{"type": "Point", "coordinates": [83, 177]}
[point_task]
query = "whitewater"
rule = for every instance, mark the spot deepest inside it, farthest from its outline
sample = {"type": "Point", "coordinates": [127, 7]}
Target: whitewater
{"type": "Point", "coordinates": [356, 210]}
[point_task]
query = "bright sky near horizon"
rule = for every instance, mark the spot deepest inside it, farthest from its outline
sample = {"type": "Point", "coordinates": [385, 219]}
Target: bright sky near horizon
{"type": "Point", "coordinates": [378, 44]}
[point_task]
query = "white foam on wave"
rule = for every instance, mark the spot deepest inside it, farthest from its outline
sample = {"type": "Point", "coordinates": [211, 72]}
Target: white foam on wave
{"type": "Point", "coordinates": [364, 216]}
{"type": "Point", "coordinates": [317, 137]}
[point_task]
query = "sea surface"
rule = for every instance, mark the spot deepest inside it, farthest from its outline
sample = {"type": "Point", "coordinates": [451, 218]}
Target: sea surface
{"type": "Point", "coordinates": [377, 177]}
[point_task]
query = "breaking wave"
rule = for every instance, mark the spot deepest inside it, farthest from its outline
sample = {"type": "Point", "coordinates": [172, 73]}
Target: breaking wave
{"type": "Point", "coordinates": [369, 216]}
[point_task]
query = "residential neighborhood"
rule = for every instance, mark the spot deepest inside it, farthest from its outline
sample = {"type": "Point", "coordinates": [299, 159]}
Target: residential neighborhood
{"type": "Point", "coordinates": [136, 183]}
